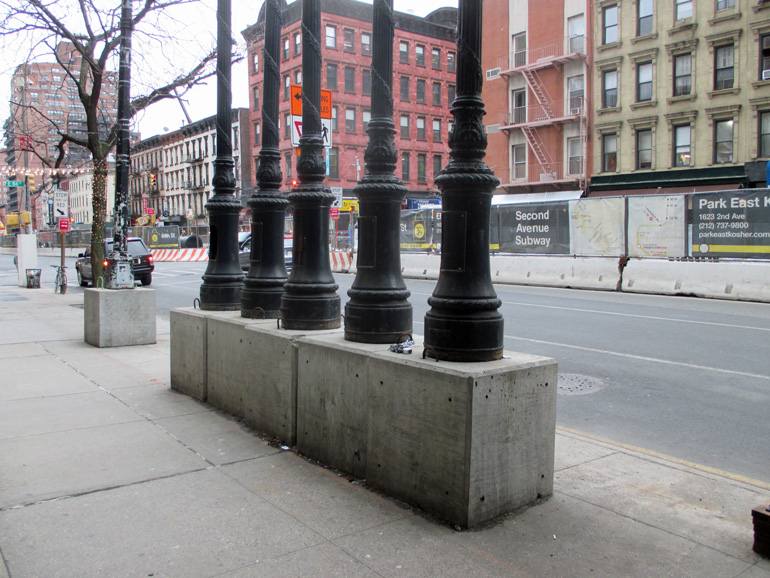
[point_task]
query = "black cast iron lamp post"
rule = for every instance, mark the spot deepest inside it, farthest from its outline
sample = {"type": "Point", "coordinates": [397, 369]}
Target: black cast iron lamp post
{"type": "Point", "coordinates": [223, 279]}
{"type": "Point", "coordinates": [464, 323]}
{"type": "Point", "coordinates": [263, 286]}
{"type": "Point", "coordinates": [119, 274]}
{"type": "Point", "coordinates": [378, 310]}
{"type": "Point", "coordinates": [310, 299]}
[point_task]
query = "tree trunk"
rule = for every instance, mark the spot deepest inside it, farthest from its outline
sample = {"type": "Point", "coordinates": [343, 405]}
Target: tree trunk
{"type": "Point", "coordinates": [99, 192]}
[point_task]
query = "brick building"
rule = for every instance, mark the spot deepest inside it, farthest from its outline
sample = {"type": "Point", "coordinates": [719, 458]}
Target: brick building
{"type": "Point", "coordinates": [423, 89]}
{"type": "Point", "coordinates": [537, 85]}
{"type": "Point", "coordinates": [45, 102]}
{"type": "Point", "coordinates": [172, 173]}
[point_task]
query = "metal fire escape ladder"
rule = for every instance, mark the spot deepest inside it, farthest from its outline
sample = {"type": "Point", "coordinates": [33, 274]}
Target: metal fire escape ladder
{"type": "Point", "coordinates": [537, 88]}
{"type": "Point", "coordinates": [537, 147]}
{"type": "Point", "coordinates": [533, 139]}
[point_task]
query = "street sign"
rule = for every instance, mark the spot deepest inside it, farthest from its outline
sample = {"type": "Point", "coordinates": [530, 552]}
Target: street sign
{"type": "Point", "coordinates": [296, 101]}
{"type": "Point", "coordinates": [64, 225]}
{"type": "Point", "coordinates": [296, 131]}
{"type": "Point", "coordinates": [335, 213]}
{"type": "Point", "coordinates": [61, 204]}
{"type": "Point", "coordinates": [150, 211]}
{"type": "Point", "coordinates": [14, 183]}
{"type": "Point", "coordinates": [2, 229]}
{"type": "Point", "coordinates": [337, 192]}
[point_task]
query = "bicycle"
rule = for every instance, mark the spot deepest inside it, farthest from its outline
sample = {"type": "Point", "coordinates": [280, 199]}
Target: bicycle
{"type": "Point", "coordinates": [60, 285]}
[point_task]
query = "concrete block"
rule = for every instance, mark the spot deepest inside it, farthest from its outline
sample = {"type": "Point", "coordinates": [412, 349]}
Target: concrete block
{"type": "Point", "coordinates": [270, 400]}
{"type": "Point", "coordinates": [464, 442]}
{"type": "Point", "coordinates": [556, 271]}
{"type": "Point", "coordinates": [119, 317]}
{"type": "Point", "coordinates": [332, 384]}
{"type": "Point", "coordinates": [189, 351]}
{"type": "Point", "coordinates": [229, 365]}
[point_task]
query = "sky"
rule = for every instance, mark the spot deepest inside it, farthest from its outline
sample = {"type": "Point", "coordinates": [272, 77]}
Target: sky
{"type": "Point", "coordinates": [198, 27]}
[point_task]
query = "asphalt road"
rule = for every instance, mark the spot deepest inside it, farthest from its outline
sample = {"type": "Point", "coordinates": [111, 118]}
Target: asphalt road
{"type": "Point", "coordinates": [685, 377]}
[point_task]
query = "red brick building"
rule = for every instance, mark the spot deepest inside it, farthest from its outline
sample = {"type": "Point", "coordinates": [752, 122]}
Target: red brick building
{"type": "Point", "coordinates": [424, 60]}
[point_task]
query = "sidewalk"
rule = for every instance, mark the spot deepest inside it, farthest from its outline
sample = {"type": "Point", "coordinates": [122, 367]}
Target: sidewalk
{"type": "Point", "coordinates": [107, 472]}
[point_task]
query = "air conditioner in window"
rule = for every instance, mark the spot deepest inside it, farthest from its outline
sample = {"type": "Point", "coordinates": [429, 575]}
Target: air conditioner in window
{"type": "Point", "coordinates": [493, 73]}
{"type": "Point", "coordinates": [766, 75]}
{"type": "Point", "coordinates": [574, 111]}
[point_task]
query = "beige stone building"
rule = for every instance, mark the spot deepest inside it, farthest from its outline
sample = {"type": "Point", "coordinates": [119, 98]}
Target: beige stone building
{"type": "Point", "coordinates": [682, 95]}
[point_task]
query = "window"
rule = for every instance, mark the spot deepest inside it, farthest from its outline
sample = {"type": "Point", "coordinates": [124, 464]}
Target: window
{"type": "Point", "coordinates": [520, 50]}
{"type": "Point", "coordinates": [334, 163]}
{"type": "Point", "coordinates": [451, 61]}
{"type": "Point", "coordinates": [422, 168]}
{"type": "Point", "coordinates": [450, 89]}
{"type": "Point", "coordinates": [286, 85]}
{"type": "Point", "coordinates": [286, 126]}
{"type": "Point", "coordinates": [419, 55]}
{"type": "Point", "coordinates": [405, 127]}
{"type": "Point", "coordinates": [437, 162]}
{"type": "Point", "coordinates": [297, 44]}
{"type": "Point", "coordinates": [335, 122]}
{"type": "Point", "coordinates": [366, 43]}
{"type": "Point", "coordinates": [644, 82]}
{"type": "Point", "coordinates": [609, 152]}
{"type": "Point", "coordinates": [436, 94]}
{"type": "Point", "coordinates": [683, 9]}
{"type": "Point", "coordinates": [724, 71]}
{"type": "Point", "coordinates": [764, 134]}
{"type": "Point", "coordinates": [331, 36]}
{"type": "Point", "coordinates": [331, 77]}
{"type": "Point", "coordinates": [519, 100]}
{"type": "Point", "coordinates": [682, 145]}
{"type": "Point", "coordinates": [287, 162]}
{"type": "Point", "coordinates": [403, 52]}
{"type": "Point", "coordinates": [420, 128]}
{"type": "Point", "coordinates": [298, 77]}
{"type": "Point", "coordinates": [575, 85]}
{"type": "Point", "coordinates": [610, 24]}
{"type": "Point", "coordinates": [405, 167]}
{"type": "Point", "coordinates": [725, 4]}
{"type": "Point", "coordinates": [257, 131]}
{"type": "Point", "coordinates": [574, 156]}
{"type": "Point", "coordinates": [764, 57]}
{"type": "Point", "coordinates": [644, 149]}
{"type": "Point", "coordinates": [519, 154]}
{"type": "Point", "coordinates": [682, 74]}
{"type": "Point", "coordinates": [723, 141]}
{"type": "Point", "coordinates": [255, 97]}
{"type": "Point", "coordinates": [644, 18]}
{"type": "Point", "coordinates": [576, 29]}
{"type": "Point", "coordinates": [420, 91]}
{"type": "Point", "coordinates": [350, 79]}
{"type": "Point", "coordinates": [436, 130]}
{"type": "Point", "coordinates": [610, 88]}
{"type": "Point", "coordinates": [348, 40]}
{"type": "Point", "coordinates": [255, 63]}
{"type": "Point", "coordinates": [350, 120]}
{"type": "Point", "coordinates": [405, 88]}
{"type": "Point", "coordinates": [367, 118]}
{"type": "Point", "coordinates": [366, 81]}
{"type": "Point", "coordinates": [286, 49]}
{"type": "Point", "coordinates": [435, 59]}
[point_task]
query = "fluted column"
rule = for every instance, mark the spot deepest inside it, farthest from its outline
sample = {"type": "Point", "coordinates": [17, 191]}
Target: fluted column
{"type": "Point", "coordinates": [378, 310]}
{"type": "Point", "coordinates": [223, 279]}
{"type": "Point", "coordinates": [310, 299]}
{"type": "Point", "coordinates": [263, 286]}
{"type": "Point", "coordinates": [464, 323]}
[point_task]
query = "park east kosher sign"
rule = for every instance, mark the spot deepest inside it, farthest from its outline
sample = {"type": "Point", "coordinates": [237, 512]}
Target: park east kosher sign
{"type": "Point", "coordinates": [732, 224]}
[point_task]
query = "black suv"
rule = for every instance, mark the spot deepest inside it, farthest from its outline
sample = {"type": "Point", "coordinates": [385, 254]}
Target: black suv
{"type": "Point", "coordinates": [141, 262]}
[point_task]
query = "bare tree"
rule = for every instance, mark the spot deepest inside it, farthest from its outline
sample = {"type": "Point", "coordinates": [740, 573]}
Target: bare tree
{"type": "Point", "coordinates": [83, 36]}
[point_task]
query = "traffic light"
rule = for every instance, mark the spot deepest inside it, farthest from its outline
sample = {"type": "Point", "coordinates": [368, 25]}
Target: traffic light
{"type": "Point", "coordinates": [31, 182]}
{"type": "Point", "coordinates": [153, 180]}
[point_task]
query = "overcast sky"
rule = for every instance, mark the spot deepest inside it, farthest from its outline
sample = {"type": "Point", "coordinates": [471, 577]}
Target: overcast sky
{"type": "Point", "coordinates": [200, 102]}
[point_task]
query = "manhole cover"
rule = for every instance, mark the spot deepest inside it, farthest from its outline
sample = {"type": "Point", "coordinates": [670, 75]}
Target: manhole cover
{"type": "Point", "coordinates": [576, 384]}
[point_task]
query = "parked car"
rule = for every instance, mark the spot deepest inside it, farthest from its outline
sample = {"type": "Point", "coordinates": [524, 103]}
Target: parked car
{"type": "Point", "coordinates": [244, 250]}
{"type": "Point", "coordinates": [141, 262]}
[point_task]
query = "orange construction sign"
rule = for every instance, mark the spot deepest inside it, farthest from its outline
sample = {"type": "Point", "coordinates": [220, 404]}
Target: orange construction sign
{"type": "Point", "coordinates": [296, 101]}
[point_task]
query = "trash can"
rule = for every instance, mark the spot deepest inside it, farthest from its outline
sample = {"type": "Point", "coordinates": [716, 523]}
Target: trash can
{"type": "Point", "coordinates": [33, 278]}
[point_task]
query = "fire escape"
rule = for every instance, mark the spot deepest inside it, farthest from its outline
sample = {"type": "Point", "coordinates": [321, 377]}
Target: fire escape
{"type": "Point", "coordinates": [541, 113]}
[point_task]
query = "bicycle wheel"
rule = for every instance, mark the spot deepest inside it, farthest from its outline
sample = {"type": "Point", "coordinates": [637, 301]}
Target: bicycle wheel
{"type": "Point", "coordinates": [63, 286]}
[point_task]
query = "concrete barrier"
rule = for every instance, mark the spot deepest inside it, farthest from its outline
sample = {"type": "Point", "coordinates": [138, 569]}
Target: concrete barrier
{"type": "Point", "coordinates": [113, 318]}
{"type": "Point", "coordinates": [739, 280]}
